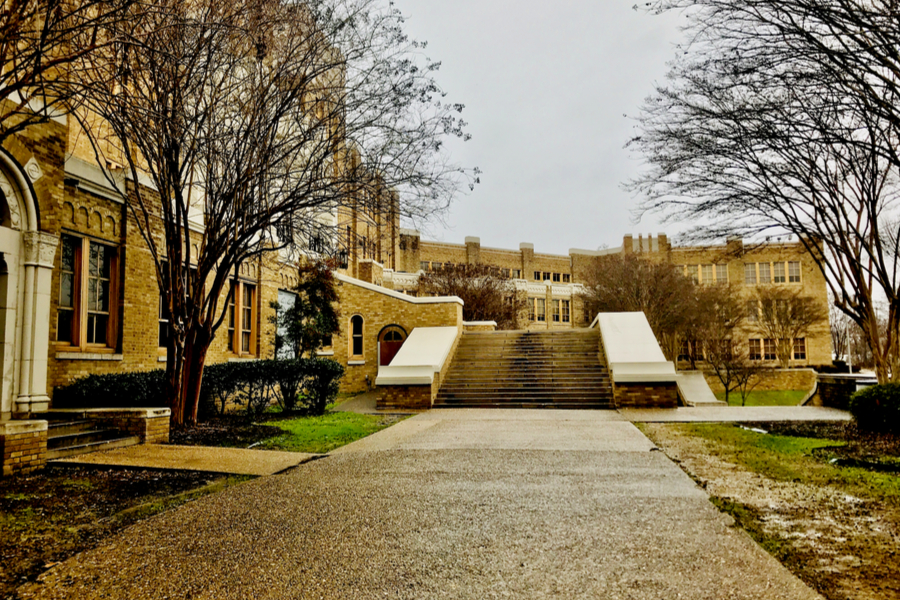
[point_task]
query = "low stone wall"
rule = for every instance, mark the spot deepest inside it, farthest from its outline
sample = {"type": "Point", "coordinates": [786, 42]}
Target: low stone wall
{"type": "Point", "coordinates": [404, 397]}
{"type": "Point", "coordinates": [23, 446]}
{"type": "Point", "coordinates": [646, 395]}
{"type": "Point", "coordinates": [834, 391]}
{"type": "Point", "coordinates": [151, 425]}
{"type": "Point", "coordinates": [479, 326]}
{"type": "Point", "coordinates": [779, 379]}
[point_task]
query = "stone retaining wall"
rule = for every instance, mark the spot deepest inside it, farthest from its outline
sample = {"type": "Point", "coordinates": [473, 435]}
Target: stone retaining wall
{"type": "Point", "coordinates": [646, 395]}
{"type": "Point", "coordinates": [23, 446]}
{"type": "Point", "coordinates": [404, 397]}
{"type": "Point", "coordinates": [778, 379]}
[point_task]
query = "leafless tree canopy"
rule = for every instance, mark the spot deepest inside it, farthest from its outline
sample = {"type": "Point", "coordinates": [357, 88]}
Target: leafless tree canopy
{"type": "Point", "coordinates": [42, 44]}
{"type": "Point", "coordinates": [782, 115]}
{"type": "Point", "coordinates": [249, 124]}
{"type": "Point", "coordinates": [487, 296]}
{"type": "Point", "coordinates": [626, 282]}
{"type": "Point", "coordinates": [785, 315]}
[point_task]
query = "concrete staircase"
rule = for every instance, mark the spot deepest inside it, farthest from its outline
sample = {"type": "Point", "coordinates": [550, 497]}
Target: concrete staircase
{"type": "Point", "coordinates": [527, 369]}
{"type": "Point", "coordinates": [69, 436]}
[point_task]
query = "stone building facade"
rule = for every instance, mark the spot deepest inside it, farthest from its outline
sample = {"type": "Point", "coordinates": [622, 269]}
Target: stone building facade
{"type": "Point", "coordinates": [553, 283]}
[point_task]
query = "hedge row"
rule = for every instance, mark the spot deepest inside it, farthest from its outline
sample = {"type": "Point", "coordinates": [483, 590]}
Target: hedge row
{"type": "Point", "coordinates": [300, 385]}
{"type": "Point", "coordinates": [877, 408]}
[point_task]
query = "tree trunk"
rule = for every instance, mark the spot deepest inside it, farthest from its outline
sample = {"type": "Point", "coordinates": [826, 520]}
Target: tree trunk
{"type": "Point", "coordinates": [196, 347]}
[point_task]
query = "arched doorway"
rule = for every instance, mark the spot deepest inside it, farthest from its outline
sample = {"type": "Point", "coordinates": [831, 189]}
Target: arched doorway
{"type": "Point", "coordinates": [25, 289]}
{"type": "Point", "coordinates": [390, 340]}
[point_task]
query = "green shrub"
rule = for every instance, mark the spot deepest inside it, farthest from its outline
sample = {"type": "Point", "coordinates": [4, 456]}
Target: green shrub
{"type": "Point", "coordinates": [321, 383]}
{"type": "Point", "coordinates": [877, 408]}
{"type": "Point", "coordinates": [144, 389]}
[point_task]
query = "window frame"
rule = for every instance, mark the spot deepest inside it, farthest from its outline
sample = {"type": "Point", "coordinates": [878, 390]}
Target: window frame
{"type": "Point", "coordinates": [790, 275]}
{"type": "Point", "coordinates": [798, 349]}
{"type": "Point", "coordinates": [80, 310]}
{"type": "Point", "coordinates": [566, 311]}
{"type": "Point", "coordinates": [755, 349]}
{"type": "Point", "coordinates": [354, 337]}
{"type": "Point", "coordinates": [236, 315]}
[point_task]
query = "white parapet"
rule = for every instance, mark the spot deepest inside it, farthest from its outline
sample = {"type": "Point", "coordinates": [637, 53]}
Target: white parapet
{"type": "Point", "coordinates": [422, 355]}
{"type": "Point", "coordinates": [631, 349]}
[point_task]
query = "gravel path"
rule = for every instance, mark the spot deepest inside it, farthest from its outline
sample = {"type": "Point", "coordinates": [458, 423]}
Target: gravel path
{"type": "Point", "coordinates": [449, 504]}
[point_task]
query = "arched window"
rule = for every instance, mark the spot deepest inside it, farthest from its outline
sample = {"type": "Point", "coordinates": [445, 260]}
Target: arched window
{"type": "Point", "coordinates": [390, 340]}
{"type": "Point", "coordinates": [356, 335]}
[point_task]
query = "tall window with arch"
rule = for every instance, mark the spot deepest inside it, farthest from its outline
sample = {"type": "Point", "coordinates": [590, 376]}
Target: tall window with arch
{"type": "Point", "coordinates": [356, 336]}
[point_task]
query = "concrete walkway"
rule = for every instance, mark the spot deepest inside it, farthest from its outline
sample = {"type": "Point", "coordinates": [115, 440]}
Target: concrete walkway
{"type": "Point", "coordinates": [234, 461]}
{"type": "Point", "coordinates": [447, 504]}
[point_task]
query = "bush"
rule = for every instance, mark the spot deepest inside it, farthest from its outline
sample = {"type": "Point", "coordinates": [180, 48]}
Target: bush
{"type": "Point", "coordinates": [877, 408]}
{"type": "Point", "coordinates": [145, 389]}
{"type": "Point", "coordinates": [305, 384]}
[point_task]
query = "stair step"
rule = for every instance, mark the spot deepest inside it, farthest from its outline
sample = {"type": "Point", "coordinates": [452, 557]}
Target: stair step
{"type": "Point", "coordinates": [58, 428]}
{"type": "Point", "coordinates": [110, 444]}
{"type": "Point", "coordinates": [80, 438]}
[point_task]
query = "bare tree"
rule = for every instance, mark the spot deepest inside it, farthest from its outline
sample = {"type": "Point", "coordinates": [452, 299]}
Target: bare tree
{"type": "Point", "coordinates": [486, 295]}
{"type": "Point", "coordinates": [786, 315]}
{"type": "Point", "coordinates": [782, 115]}
{"type": "Point", "coordinates": [627, 282]}
{"type": "Point", "coordinates": [42, 46]}
{"type": "Point", "coordinates": [253, 122]}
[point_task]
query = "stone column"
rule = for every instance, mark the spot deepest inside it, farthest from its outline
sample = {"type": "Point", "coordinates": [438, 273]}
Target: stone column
{"type": "Point", "coordinates": [527, 252]}
{"type": "Point", "coordinates": [473, 250]}
{"type": "Point", "coordinates": [40, 250]}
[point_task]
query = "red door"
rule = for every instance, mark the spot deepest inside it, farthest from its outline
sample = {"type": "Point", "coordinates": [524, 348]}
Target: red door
{"type": "Point", "coordinates": [391, 341]}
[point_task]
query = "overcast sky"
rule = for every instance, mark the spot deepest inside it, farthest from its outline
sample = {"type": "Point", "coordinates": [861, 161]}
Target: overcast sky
{"type": "Point", "coordinates": [546, 86]}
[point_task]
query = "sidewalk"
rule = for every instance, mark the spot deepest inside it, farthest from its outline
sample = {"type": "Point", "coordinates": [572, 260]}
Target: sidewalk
{"type": "Point", "coordinates": [733, 414]}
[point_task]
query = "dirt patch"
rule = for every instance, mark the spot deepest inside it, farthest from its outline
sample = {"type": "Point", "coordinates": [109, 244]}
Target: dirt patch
{"type": "Point", "coordinates": [843, 546]}
{"type": "Point", "coordinates": [49, 516]}
{"type": "Point", "coordinates": [226, 431]}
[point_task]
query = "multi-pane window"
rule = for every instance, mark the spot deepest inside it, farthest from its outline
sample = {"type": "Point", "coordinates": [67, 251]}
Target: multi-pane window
{"type": "Point", "coordinates": [557, 311]}
{"type": "Point", "coordinates": [547, 276]}
{"type": "Point", "coordinates": [540, 310]}
{"type": "Point", "coordinates": [424, 265]}
{"type": "Point", "coordinates": [769, 352]}
{"type": "Point", "coordinates": [753, 311]}
{"type": "Point", "coordinates": [537, 275]}
{"type": "Point", "coordinates": [800, 349]}
{"type": "Point", "coordinates": [778, 272]}
{"type": "Point", "coordinates": [750, 273]}
{"type": "Point", "coordinates": [567, 278]}
{"type": "Point", "coordinates": [706, 273]}
{"type": "Point", "coordinates": [693, 273]}
{"type": "Point", "coordinates": [565, 311]}
{"type": "Point", "coordinates": [242, 318]}
{"type": "Point", "coordinates": [794, 272]}
{"type": "Point", "coordinates": [86, 293]}
{"type": "Point", "coordinates": [765, 273]}
{"type": "Point", "coordinates": [517, 273]}
{"type": "Point", "coordinates": [755, 349]}
{"type": "Point", "coordinates": [556, 278]}
{"type": "Point", "coordinates": [504, 273]}
{"type": "Point", "coordinates": [531, 313]}
{"type": "Point", "coordinates": [721, 273]}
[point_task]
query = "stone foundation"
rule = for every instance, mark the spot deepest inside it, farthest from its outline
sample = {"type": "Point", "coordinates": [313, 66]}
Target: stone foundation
{"type": "Point", "coordinates": [23, 446]}
{"type": "Point", "coordinates": [646, 395]}
{"type": "Point", "coordinates": [404, 397]}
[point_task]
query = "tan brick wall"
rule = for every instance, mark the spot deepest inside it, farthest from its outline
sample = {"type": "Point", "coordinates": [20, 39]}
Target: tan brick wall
{"type": "Point", "coordinates": [380, 310]}
{"type": "Point", "coordinates": [23, 452]}
{"type": "Point", "coordinates": [404, 397]}
{"type": "Point", "coordinates": [478, 327]}
{"type": "Point", "coordinates": [646, 395]}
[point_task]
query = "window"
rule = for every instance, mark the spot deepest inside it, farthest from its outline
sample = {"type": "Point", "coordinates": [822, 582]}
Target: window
{"type": "Point", "coordinates": [556, 278]}
{"type": "Point", "coordinates": [769, 349]}
{"type": "Point", "coordinates": [504, 273]}
{"type": "Point", "coordinates": [706, 274]}
{"type": "Point", "coordinates": [794, 272]}
{"type": "Point", "coordinates": [537, 275]}
{"type": "Point", "coordinates": [778, 276]}
{"type": "Point", "coordinates": [356, 336]}
{"type": "Point", "coordinates": [531, 313]}
{"type": "Point", "coordinates": [750, 273]}
{"type": "Point", "coordinates": [242, 318]}
{"type": "Point", "coordinates": [752, 311]}
{"type": "Point", "coordinates": [567, 278]}
{"type": "Point", "coordinates": [286, 302]}
{"type": "Point", "coordinates": [765, 274]}
{"type": "Point", "coordinates": [755, 350]}
{"type": "Point", "coordinates": [540, 309]}
{"type": "Point", "coordinates": [86, 311]}
{"type": "Point", "coordinates": [557, 310]}
{"type": "Point", "coordinates": [721, 273]}
{"type": "Point", "coordinates": [517, 273]}
{"type": "Point", "coordinates": [424, 265]}
{"type": "Point", "coordinates": [800, 349]}
{"type": "Point", "coordinates": [684, 352]}
{"type": "Point", "coordinates": [547, 276]}
{"type": "Point", "coordinates": [693, 273]}
{"type": "Point", "coordinates": [565, 311]}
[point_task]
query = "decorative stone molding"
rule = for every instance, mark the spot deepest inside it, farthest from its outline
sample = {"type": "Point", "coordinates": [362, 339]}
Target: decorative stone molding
{"type": "Point", "coordinates": [33, 170]}
{"type": "Point", "coordinates": [40, 248]}
{"type": "Point", "coordinates": [12, 201]}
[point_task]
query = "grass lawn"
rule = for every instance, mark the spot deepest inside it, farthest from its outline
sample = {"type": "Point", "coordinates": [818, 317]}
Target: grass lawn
{"type": "Point", "coordinates": [795, 459]}
{"type": "Point", "coordinates": [766, 398]}
{"type": "Point", "coordinates": [318, 435]}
